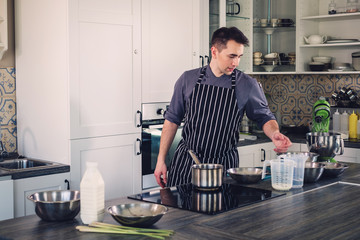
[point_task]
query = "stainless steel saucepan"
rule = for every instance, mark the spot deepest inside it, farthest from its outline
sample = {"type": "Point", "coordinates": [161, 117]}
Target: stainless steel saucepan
{"type": "Point", "coordinates": [206, 176]}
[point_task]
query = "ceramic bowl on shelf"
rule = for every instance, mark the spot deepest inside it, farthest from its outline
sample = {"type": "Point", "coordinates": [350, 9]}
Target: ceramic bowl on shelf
{"type": "Point", "coordinates": [269, 68]}
{"type": "Point", "coordinates": [323, 59]}
{"type": "Point", "coordinates": [317, 66]}
{"type": "Point", "coordinates": [342, 66]}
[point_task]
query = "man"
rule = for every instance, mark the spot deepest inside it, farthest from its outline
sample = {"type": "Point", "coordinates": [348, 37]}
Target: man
{"type": "Point", "coordinates": [213, 100]}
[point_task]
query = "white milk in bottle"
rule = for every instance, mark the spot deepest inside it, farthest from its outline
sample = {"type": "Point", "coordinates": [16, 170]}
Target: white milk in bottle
{"type": "Point", "coordinates": [92, 195]}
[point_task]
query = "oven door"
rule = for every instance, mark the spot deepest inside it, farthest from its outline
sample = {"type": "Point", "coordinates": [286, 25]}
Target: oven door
{"type": "Point", "coordinates": [150, 150]}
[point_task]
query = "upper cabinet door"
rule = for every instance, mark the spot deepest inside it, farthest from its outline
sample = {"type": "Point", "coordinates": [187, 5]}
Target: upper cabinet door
{"type": "Point", "coordinates": [170, 44]}
{"type": "Point", "coordinates": [104, 67]}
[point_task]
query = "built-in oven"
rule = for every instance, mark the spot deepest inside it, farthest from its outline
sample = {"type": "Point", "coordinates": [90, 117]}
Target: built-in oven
{"type": "Point", "coordinates": [152, 124]}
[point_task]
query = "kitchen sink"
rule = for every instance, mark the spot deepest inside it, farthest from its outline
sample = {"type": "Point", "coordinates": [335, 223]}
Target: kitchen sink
{"type": "Point", "coordinates": [24, 163]}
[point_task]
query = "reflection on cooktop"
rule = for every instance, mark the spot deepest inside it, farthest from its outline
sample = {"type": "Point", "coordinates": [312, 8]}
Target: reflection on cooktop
{"type": "Point", "coordinates": [210, 202]}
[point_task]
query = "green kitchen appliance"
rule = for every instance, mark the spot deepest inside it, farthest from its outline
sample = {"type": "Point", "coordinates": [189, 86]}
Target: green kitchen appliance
{"type": "Point", "coordinates": [320, 140]}
{"type": "Point", "coordinates": [321, 116]}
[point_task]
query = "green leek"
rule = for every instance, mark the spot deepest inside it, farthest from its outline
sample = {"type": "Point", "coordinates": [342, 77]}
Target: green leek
{"type": "Point", "coordinates": [111, 228]}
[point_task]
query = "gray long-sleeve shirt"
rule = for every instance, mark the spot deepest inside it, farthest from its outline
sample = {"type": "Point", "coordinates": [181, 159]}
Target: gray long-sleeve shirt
{"type": "Point", "coordinates": [249, 94]}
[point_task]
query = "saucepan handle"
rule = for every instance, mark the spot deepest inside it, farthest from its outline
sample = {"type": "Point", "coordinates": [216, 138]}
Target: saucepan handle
{"type": "Point", "coordinates": [341, 147]}
{"type": "Point", "coordinates": [266, 163]}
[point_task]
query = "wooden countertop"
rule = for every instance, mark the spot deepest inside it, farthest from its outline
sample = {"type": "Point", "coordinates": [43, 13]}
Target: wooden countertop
{"type": "Point", "coordinates": [327, 209]}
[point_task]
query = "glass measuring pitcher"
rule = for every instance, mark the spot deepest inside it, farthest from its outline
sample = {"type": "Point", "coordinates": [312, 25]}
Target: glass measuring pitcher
{"type": "Point", "coordinates": [282, 173]}
{"type": "Point", "coordinates": [299, 158]}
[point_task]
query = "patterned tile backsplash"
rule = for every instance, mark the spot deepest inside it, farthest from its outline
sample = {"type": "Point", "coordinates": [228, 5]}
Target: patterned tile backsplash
{"type": "Point", "coordinates": [8, 109]}
{"type": "Point", "coordinates": [294, 95]}
{"type": "Point", "coordinates": [291, 95]}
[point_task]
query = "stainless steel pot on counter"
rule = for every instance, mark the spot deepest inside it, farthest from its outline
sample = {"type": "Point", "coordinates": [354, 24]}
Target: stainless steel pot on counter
{"type": "Point", "coordinates": [207, 176]}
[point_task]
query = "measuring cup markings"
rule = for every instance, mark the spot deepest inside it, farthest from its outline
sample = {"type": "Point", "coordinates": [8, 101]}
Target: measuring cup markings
{"type": "Point", "coordinates": [299, 169]}
{"type": "Point", "coordinates": [282, 172]}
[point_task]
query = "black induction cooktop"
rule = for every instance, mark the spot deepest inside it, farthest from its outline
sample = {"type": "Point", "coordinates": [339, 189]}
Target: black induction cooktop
{"type": "Point", "coordinates": [187, 197]}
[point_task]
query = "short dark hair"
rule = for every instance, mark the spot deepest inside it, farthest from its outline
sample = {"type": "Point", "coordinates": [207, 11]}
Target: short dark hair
{"type": "Point", "coordinates": [221, 36]}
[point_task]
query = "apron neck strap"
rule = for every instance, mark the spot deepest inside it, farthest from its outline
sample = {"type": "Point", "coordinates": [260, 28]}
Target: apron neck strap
{"type": "Point", "coordinates": [202, 74]}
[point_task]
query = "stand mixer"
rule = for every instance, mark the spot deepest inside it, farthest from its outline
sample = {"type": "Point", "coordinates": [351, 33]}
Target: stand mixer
{"type": "Point", "coordinates": [321, 116]}
{"type": "Point", "coordinates": [320, 140]}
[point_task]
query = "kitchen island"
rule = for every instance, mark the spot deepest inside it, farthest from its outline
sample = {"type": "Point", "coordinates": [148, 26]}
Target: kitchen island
{"type": "Point", "coordinates": [327, 209]}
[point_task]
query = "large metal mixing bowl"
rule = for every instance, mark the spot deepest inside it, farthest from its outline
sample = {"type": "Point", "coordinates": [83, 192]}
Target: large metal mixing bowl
{"type": "Point", "coordinates": [56, 205]}
{"type": "Point", "coordinates": [327, 145]}
{"type": "Point", "coordinates": [137, 214]}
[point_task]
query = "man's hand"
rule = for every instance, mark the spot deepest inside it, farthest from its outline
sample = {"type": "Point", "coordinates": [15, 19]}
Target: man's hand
{"type": "Point", "coordinates": [160, 173]}
{"type": "Point", "coordinates": [281, 142]}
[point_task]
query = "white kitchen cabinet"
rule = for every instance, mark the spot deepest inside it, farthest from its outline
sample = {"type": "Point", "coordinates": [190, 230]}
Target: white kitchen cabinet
{"type": "Point", "coordinates": [78, 77]}
{"type": "Point", "coordinates": [255, 155]}
{"type": "Point", "coordinates": [313, 18]}
{"type": "Point", "coordinates": [26, 186]}
{"type": "Point", "coordinates": [7, 198]}
{"type": "Point", "coordinates": [171, 44]}
{"type": "Point", "coordinates": [3, 27]}
{"type": "Point", "coordinates": [249, 155]}
{"type": "Point", "coordinates": [350, 155]}
{"type": "Point", "coordinates": [79, 81]}
{"type": "Point", "coordinates": [118, 162]}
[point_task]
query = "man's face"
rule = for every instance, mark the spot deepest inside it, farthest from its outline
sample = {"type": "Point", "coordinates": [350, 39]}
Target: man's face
{"type": "Point", "coordinates": [228, 58]}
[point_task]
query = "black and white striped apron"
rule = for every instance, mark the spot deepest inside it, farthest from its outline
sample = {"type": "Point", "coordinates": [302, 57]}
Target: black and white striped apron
{"type": "Point", "coordinates": [211, 130]}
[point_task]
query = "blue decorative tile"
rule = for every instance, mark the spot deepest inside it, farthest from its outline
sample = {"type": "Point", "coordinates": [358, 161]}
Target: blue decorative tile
{"type": "Point", "coordinates": [9, 138]}
{"type": "Point", "coordinates": [8, 109]}
{"type": "Point", "coordinates": [295, 95]}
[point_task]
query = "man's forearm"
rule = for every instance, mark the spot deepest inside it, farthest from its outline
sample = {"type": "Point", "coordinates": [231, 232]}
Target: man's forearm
{"type": "Point", "coordinates": [271, 127]}
{"type": "Point", "coordinates": [167, 137]}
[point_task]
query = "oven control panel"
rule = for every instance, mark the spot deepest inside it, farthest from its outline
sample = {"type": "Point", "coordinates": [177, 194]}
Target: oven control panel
{"type": "Point", "coordinates": [154, 111]}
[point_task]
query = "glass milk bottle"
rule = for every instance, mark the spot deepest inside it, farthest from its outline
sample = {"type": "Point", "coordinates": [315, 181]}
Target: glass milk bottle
{"type": "Point", "coordinates": [92, 195]}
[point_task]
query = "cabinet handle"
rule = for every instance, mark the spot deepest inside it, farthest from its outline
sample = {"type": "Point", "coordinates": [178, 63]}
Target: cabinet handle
{"type": "Point", "coordinates": [139, 123]}
{"type": "Point", "coordinates": [68, 184]}
{"type": "Point", "coordinates": [208, 59]}
{"type": "Point", "coordinates": [202, 61]}
{"type": "Point", "coordinates": [264, 155]}
{"type": "Point", "coordinates": [138, 146]}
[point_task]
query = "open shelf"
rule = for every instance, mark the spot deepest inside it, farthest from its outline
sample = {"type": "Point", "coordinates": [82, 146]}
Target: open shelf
{"type": "Point", "coordinates": [333, 17]}
{"type": "Point", "coordinates": [330, 45]}
{"type": "Point", "coordinates": [230, 16]}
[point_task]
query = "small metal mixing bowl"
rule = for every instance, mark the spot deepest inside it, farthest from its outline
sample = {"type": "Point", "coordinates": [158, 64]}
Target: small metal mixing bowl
{"type": "Point", "coordinates": [137, 214]}
{"type": "Point", "coordinates": [312, 157]}
{"type": "Point", "coordinates": [59, 205]}
{"type": "Point", "coordinates": [313, 171]}
{"type": "Point", "coordinates": [245, 174]}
